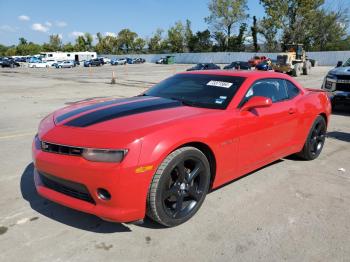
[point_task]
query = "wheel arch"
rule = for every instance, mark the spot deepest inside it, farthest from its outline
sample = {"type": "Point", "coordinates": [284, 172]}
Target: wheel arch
{"type": "Point", "coordinates": [325, 117]}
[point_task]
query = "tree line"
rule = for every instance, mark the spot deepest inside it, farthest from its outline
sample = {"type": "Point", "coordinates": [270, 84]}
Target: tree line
{"type": "Point", "coordinates": [285, 21]}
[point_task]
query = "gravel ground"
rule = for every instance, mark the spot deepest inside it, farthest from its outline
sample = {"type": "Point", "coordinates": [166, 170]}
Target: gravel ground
{"type": "Point", "coordinates": [290, 210]}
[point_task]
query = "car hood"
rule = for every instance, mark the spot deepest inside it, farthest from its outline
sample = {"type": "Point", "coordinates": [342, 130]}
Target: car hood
{"type": "Point", "coordinates": [341, 70]}
{"type": "Point", "coordinates": [139, 114]}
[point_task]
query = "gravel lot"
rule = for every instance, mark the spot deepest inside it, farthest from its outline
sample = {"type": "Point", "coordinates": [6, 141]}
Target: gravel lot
{"type": "Point", "coordinates": [290, 210]}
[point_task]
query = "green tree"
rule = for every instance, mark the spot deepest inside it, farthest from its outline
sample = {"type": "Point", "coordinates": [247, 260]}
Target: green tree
{"type": "Point", "coordinates": [292, 17]}
{"type": "Point", "coordinates": [220, 42]}
{"type": "Point", "coordinates": [328, 31]}
{"type": "Point", "coordinates": [25, 48]}
{"type": "Point", "coordinates": [268, 29]}
{"type": "Point", "coordinates": [236, 43]}
{"type": "Point", "coordinates": [201, 42]}
{"type": "Point", "coordinates": [139, 45]}
{"type": "Point", "coordinates": [176, 38]}
{"type": "Point", "coordinates": [84, 42]}
{"type": "Point", "coordinates": [68, 47]}
{"type": "Point", "coordinates": [107, 44]}
{"type": "Point", "coordinates": [11, 51]}
{"type": "Point", "coordinates": [254, 30]}
{"type": "Point", "coordinates": [126, 39]}
{"type": "Point", "coordinates": [55, 42]}
{"type": "Point", "coordinates": [188, 34]}
{"type": "Point", "coordinates": [22, 41]}
{"type": "Point", "coordinates": [3, 49]}
{"type": "Point", "coordinates": [155, 42]}
{"type": "Point", "coordinates": [225, 14]}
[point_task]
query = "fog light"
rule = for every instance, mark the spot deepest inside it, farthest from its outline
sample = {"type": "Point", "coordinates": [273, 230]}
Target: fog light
{"type": "Point", "coordinates": [103, 194]}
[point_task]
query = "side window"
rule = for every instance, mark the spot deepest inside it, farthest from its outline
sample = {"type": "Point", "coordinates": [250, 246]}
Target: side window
{"type": "Point", "coordinates": [292, 90]}
{"type": "Point", "coordinates": [271, 88]}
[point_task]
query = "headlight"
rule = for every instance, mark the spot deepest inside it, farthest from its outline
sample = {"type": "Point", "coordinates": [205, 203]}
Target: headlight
{"type": "Point", "coordinates": [332, 76]}
{"type": "Point", "coordinates": [37, 142]}
{"type": "Point", "coordinates": [104, 155]}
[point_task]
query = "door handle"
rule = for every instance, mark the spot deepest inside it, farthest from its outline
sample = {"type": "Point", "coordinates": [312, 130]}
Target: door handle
{"type": "Point", "coordinates": [291, 110]}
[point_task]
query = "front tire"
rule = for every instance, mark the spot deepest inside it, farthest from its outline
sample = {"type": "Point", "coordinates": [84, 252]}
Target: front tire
{"type": "Point", "coordinates": [178, 187]}
{"type": "Point", "coordinates": [315, 140]}
{"type": "Point", "coordinates": [296, 70]}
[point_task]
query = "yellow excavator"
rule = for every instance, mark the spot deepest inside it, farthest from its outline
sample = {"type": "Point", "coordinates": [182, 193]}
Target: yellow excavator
{"type": "Point", "coordinates": [293, 61]}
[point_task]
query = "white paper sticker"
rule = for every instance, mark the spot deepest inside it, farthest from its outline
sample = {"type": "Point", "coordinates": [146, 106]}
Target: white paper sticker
{"type": "Point", "coordinates": [219, 84]}
{"type": "Point", "coordinates": [219, 101]}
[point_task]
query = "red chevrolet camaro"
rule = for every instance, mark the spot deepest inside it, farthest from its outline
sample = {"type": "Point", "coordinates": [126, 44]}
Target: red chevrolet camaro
{"type": "Point", "coordinates": [158, 154]}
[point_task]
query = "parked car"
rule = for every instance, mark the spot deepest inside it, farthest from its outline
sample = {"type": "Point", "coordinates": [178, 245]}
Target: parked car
{"type": "Point", "coordinates": [139, 60]}
{"type": "Point", "coordinates": [93, 62]}
{"type": "Point", "coordinates": [162, 60]}
{"type": "Point", "coordinates": [21, 59]}
{"type": "Point", "coordinates": [118, 61]}
{"type": "Point", "coordinates": [51, 63]}
{"type": "Point", "coordinates": [337, 82]}
{"type": "Point", "coordinates": [65, 64]}
{"type": "Point", "coordinates": [34, 59]}
{"type": "Point", "coordinates": [264, 66]}
{"type": "Point", "coordinates": [257, 60]}
{"type": "Point", "coordinates": [238, 65]}
{"type": "Point", "coordinates": [205, 66]}
{"type": "Point", "coordinates": [38, 64]}
{"type": "Point", "coordinates": [101, 60]}
{"type": "Point", "coordinates": [105, 60]}
{"type": "Point", "coordinates": [165, 171]}
{"type": "Point", "coordinates": [130, 60]}
{"type": "Point", "coordinates": [9, 62]}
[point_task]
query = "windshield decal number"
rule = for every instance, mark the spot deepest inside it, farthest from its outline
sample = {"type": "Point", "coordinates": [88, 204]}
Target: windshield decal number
{"type": "Point", "coordinates": [219, 84]}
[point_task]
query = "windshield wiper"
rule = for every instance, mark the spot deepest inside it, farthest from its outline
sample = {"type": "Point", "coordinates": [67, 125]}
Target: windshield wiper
{"type": "Point", "coordinates": [185, 102]}
{"type": "Point", "coordinates": [144, 94]}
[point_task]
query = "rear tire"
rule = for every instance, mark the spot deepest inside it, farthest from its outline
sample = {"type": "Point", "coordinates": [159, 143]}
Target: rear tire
{"type": "Point", "coordinates": [178, 187]}
{"type": "Point", "coordinates": [307, 68]}
{"type": "Point", "coordinates": [315, 140]}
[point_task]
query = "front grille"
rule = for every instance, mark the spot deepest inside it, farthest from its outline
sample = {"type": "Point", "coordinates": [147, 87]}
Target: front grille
{"type": "Point", "coordinates": [66, 187]}
{"type": "Point", "coordinates": [343, 87]}
{"type": "Point", "coordinates": [61, 149]}
{"type": "Point", "coordinates": [343, 77]}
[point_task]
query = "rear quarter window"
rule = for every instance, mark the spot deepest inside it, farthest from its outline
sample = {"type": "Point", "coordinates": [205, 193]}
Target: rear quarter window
{"type": "Point", "coordinates": [292, 90]}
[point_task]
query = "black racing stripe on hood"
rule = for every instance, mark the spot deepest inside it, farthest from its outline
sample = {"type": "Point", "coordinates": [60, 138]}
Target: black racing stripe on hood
{"type": "Point", "coordinates": [95, 106]}
{"type": "Point", "coordinates": [121, 111]}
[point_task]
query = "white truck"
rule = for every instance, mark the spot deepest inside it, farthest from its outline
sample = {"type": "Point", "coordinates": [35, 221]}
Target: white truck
{"type": "Point", "coordinates": [72, 56]}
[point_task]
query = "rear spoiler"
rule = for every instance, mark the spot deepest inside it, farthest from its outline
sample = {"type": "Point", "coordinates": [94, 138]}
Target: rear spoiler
{"type": "Point", "coordinates": [316, 90]}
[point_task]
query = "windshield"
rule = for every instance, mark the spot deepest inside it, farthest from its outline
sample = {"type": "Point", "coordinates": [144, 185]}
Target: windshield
{"type": "Point", "coordinates": [200, 90]}
{"type": "Point", "coordinates": [198, 66]}
{"type": "Point", "coordinates": [347, 63]}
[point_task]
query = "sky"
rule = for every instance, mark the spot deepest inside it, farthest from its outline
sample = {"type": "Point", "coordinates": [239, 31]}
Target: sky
{"type": "Point", "coordinates": [35, 20]}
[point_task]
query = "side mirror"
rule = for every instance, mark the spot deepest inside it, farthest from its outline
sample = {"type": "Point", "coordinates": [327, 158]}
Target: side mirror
{"type": "Point", "coordinates": [256, 102]}
{"type": "Point", "coordinates": [339, 64]}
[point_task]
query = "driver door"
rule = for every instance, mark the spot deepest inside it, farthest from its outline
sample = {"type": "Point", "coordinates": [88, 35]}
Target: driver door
{"type": "Point", "coordinates": [264, 132]}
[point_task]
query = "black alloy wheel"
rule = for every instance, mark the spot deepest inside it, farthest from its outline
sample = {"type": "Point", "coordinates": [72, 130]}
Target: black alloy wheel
{"type": "Point", "coordinates": [315, 140]}
{"type": "Point", "coordinates": [179, 187]}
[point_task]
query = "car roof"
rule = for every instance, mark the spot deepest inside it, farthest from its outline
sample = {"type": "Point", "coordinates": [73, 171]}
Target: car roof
{"type": "Point", "coordinates": [241, 73]}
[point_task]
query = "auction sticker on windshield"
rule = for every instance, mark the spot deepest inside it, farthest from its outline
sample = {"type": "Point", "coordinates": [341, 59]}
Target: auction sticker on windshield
{"type": "Point", "coordinates": [219, 84]}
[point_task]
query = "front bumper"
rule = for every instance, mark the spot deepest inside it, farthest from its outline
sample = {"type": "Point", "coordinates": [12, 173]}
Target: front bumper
{"type": "Point", "coordinates": [128, 189]}
{"type": "Point", "coordinates": [339, 90]}
{"type": "Point", "coordinates": [340, 97]}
